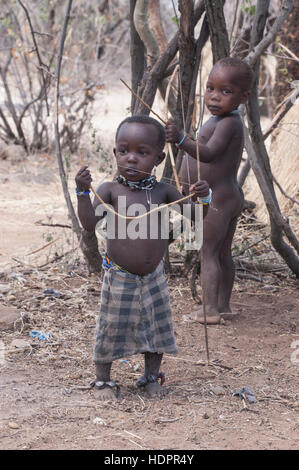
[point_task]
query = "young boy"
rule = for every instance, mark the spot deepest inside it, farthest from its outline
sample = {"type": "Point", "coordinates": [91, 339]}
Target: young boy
{"type": "Point", "coordinates": [220, 151]}
{"type": "Point", "coordinates": [135, 315]}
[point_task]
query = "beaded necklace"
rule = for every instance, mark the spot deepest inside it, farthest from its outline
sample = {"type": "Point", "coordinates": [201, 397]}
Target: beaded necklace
{"type": "Point", "coordinates": [146, 183]}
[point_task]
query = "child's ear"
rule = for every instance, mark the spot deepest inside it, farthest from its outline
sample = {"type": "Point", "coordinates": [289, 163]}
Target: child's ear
{"type": "Point", "coordinates": [245, 96]}
{"type": "Point", "coordinates": [160, 158]}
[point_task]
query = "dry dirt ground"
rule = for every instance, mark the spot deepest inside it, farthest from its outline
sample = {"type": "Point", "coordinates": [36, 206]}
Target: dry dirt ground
{"type": "Point", "coordinates": [45, 400]}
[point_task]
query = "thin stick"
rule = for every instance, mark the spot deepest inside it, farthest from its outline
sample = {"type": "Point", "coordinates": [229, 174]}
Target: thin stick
{"type": "Point", "coordinates": [202, 268]}
{"type": "Point", "coordinates": [197, 158]}
{"type": "Point", "coordinates": [169, 147]}
{"type": "Point", "coordinates": [43, 247]}
{"type": "Point", "coordinates": [82, 155]}
{"type": "Point", "coordinates": [174, 168]}
{"type": "Point", "coordinates": [164, 122]}
{"type": "Point", "coordinates": [141, 101]}
{"type": "Point", "coordinates": [110, 209]}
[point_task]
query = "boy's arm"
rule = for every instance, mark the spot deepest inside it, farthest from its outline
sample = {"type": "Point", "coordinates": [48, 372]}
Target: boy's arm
{"type": "Point", "coordinates": [86, 210]}
{"type": "Point", "coordinates": [223, 133]}
{"type": "Point", "coordinates": [201, 190]}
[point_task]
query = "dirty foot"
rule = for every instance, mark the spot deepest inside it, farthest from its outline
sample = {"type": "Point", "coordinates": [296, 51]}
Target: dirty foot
{"type": "Point", "coordinates": [151, 385]}
{"type": "Point", "coordinates": [106, 391]}
{"type": "Point", "coordinates": [197, 315]}
{"type": "Point", "coordinates": [154, 389]}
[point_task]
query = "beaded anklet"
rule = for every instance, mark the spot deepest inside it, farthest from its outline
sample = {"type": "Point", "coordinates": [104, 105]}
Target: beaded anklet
{"type": "Point", "coordinates": [143, 381]}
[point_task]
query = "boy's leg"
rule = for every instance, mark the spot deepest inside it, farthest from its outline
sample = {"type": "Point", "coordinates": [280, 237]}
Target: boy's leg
{"type": "Point", "coordinates": [212, 242]}
{"type": "Point", "coordinates": [218, 267]}
{"type": "Point", "coordinates": [152, 363]}
{"type": "Point", "coordinates": [103, 375]}
{"type": "Point", "coordinates": [227, 273]}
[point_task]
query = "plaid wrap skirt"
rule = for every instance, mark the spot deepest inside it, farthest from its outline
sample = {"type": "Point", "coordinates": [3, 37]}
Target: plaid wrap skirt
{"type": "Point", "coordinates": [135, 316]}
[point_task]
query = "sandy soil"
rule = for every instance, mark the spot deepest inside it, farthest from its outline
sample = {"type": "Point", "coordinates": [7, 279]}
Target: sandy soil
{"type": "Point", "coordinates": [45, 400]}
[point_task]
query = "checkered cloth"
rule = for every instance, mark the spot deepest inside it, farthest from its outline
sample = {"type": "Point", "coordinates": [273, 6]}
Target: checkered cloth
{"type": "Point", "coordinates": [135, 316]}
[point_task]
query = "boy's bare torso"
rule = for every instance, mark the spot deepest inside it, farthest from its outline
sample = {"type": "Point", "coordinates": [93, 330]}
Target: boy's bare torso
{"type": "Point", "coordinates": [221, 172]}
{"type": "Point", "coordinates": [138, 256]}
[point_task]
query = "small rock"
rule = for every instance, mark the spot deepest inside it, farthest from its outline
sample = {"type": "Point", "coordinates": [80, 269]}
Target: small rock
{"type": "Point", "coordinates": [218, 390]}
{"type": "Point", "coordinates": [16, 276]}
{"type": "Point", "coordinates": [8, 316]}
{"type": "Point", "coordinates": [5, 288]}
{"type": "Point", "coordinates": [13, 425]}
{"type": "Point", "coordinates": [53, 293]}
{"type": "Point", "coordinates": [99, 421]}
{"type": "Point", "coordinates": [205, 416]}
{"type": "Point", "coordinates": [11, 297]}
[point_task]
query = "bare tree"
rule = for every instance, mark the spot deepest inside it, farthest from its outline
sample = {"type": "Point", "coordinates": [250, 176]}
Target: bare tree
{"type": "Point", "coordinates": [259, 158]}
{"type": "Point", "coordinates": [218, 30]}
{"type": "Point", "coordinates": [29, 36]}
{"type": "Point", "coordinates": [157, 69]}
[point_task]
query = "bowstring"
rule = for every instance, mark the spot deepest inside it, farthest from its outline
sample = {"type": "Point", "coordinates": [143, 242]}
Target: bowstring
{"type": "Point", "coordinates": [134, 217]}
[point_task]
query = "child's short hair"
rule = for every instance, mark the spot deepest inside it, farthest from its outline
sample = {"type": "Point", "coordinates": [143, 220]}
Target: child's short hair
{"type": "Point", "coordinates": [144, 119]}
{"type": "Point", "coordinates": [244, 70]}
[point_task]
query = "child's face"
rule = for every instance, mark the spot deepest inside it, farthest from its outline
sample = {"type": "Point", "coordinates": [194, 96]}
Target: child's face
{"type": "Point", "coordinates": [137, 150]}
{"type": "Point", "coordinates": [223, 93]}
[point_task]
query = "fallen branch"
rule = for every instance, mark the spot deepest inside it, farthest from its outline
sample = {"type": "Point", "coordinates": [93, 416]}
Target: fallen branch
{"type": "Point", "coordinates": [260, 267]}
{"type": "Point", "coordinates": [250, 246]}
{"type": "Point", "coordinates": [43, 224]}
{"type": "Point", "coordinates": [248, 276]}
{"type": "Point", "coordinates": [43, 247]}
{"type": "Point", "coordinates": [56, 258]}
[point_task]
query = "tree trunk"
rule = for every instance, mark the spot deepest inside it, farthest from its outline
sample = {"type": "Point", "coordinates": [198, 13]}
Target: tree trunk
{"type": "Point", "coordinates": [137, 56]}
{"type": "Point", "coordinates": [156, 24]}
{"type": "Point", "coordinates": [259, 159]}
{"type": "Point", "coordinates": [190, 55]}
{"type": "Point", "coordinates": [186, 59]}
{"type": "Point", "coordinates": [158, 71]}
{"type": "Point", "coordinates": [145, 33]}
{"type": "Point", "coordinates": [89, 247]}
{"type": "Point", "coordinates": [201, 41]}
{"type": "Point", "coordinates": [218, 31]}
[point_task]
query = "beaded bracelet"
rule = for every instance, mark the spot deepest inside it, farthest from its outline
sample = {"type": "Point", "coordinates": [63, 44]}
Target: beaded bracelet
{"type": "Point", "coordinates": [181, 141]}
{"type": "Point", "coordinates": [205, 200]}
{"type": "Point", "coordinates": [82, 193]}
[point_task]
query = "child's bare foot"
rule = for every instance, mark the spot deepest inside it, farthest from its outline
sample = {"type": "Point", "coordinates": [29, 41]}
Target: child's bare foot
{"type": "Point", "coordinates": [106, 390]}
{"type": "Point", "coordinates": [198, 315]}
{"type": "Point", "coordinates": [151, 385]}
{"type": "Point", "coordinates": [154, 389]}
{"type": "Point", "coordinates": [228, 315]}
